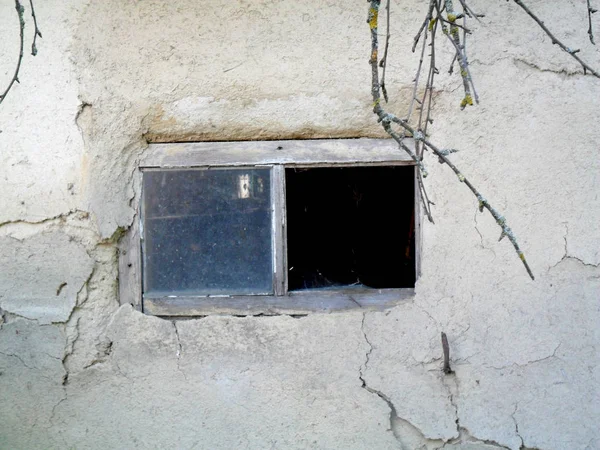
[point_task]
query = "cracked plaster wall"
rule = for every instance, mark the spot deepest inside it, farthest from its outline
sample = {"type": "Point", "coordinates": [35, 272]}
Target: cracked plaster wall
{"type": "Point", "coordinates": [79, 371]}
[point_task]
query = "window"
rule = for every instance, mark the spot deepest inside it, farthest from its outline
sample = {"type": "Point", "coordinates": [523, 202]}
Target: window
{"type": "Point", "coordinates": [271, 227]}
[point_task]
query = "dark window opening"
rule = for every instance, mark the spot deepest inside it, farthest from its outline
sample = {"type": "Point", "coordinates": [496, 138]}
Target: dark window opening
{"type": "Point", "coordinates": [350, 226]}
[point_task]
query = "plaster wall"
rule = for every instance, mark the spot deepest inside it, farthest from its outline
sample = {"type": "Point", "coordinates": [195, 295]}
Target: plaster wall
{"type": "Point", "coordinates": [78, 370]}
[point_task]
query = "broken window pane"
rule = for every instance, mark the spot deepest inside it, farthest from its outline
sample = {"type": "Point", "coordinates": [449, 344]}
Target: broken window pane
{"type": "Point", "coordinates": [207, 232]}
{"type": "Point", "coordinates": [350, 226]}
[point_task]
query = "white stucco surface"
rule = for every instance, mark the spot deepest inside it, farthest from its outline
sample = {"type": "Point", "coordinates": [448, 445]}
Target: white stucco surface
{"type": "Point", "coordinates": [79, 370]}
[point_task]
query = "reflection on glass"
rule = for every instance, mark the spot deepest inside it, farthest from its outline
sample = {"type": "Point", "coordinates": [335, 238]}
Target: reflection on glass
{"type": "Point", "coordinates": [250, 185]}
{"type": "Point", "coordinates": [244, 186]}
{"type": "Point", "coordinates": [207, 232]}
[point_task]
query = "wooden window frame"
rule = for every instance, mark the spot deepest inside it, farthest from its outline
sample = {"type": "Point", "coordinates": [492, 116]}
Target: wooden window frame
{"type": "Point", "coordinates": [277, 155]}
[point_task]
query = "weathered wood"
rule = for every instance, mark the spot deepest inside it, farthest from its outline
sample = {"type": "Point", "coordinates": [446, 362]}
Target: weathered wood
{"type": "Point", "coordinates": [130, 267]}
{"type": "Point", "coordinates": [419, 219]}
{"type": "Point", "coordinates": [284, 235]}
{"type": "Point", "coordinates": [296, 153]}
{"type": "Point", "coordinates": [296, 303]}
{"type": "Point", "coordinates": [278, 205]}
{"type": "Point", "coordinates": [279, 154]}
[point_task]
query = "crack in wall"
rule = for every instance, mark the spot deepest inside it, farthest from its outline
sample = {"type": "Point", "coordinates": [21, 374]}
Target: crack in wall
{"type": "Point", "coordinates": [408, 435]}
{"type": "Point", "coordinates": [104, 350]}
{"type": "Point", "coordinates": [452, 392]}
{"type": "Point", "coordinates": [53, 413]}
{"type": "Point", "coordinates": [523, 446]}
{"type": "Point", "coordinates": [450, 382]}
{"type": "Point", "coordinates": [465, 437]}
{"type": "Point", "coordinates": [522, 63]}
{"type": "Point", "coordinates": [7, 317]}
{"type": "Point", "coordinates": [525, 364]}
{"type": "Point", "coordinates": [477, 229]}
{"type": "Point", "coordinates": [66, 215]}
{"type": "Point", "coordinates": [179, 350]}
{"type": "Point", "coordinates": [14, 355]}
{"type": "Point", "coordinates": [481, 236]}
{"type": "Point", "coordinates": [361, 376]}
{"type": "Point", "coordinates": [397, 423]}
{"type": "Point", "coordinates": [72, 323]}
{"type": "Point", "coordinates": [566, 255]}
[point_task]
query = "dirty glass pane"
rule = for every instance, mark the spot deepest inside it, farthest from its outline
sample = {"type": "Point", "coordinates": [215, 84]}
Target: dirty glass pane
{"type": "Point", "coordinates": [207, 232]}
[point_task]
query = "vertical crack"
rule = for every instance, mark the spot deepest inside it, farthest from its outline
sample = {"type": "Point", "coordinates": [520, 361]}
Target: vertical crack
{"type": "Point", "coordinates": [477, 229]}
{"type": "Point", "coordinates": [523, 446]}
{"type": "Point", "coordinates": [72, 323]}
{"type": "Point", "coordinates": [517, 425]}
{"type": "Point", "coordinates": [179, 350]}
{"type": "Point", "coordinates": [53, 413]}
{"type": "Point", "coordinates": [361, 376]}
{"type": "Point", "coordinates": [452, 392]}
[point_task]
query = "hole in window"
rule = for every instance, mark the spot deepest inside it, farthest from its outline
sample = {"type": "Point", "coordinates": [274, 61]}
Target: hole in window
{"type": "Point", "coordinates": [350, 227]}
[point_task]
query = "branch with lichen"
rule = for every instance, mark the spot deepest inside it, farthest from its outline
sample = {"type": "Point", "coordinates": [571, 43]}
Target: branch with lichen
{"type": "Point", "coordinates": [454, 37]}
{"type": "Point", "coordinates": [387, 119]}
{"type": "Point", "coordinates": [20, 12]}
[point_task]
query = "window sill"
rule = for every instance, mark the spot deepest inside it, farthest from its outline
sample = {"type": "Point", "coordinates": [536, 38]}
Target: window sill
{"type": "Point", "coordinates": [296, 303]}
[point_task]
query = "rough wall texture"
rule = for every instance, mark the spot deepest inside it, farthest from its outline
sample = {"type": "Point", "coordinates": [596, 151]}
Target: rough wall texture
{"type": "Point", "coordinates": [78, 371]}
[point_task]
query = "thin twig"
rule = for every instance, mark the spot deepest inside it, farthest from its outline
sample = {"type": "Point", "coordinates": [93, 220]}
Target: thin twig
{"type": "Point", "coordinates": [429, 87]}
{"type": "Point", "coordinates": [454, 24]}
{"type": "Point", "coordinates": [427, 25]}
{"type": "Point", "coordinates": [15, 78]}
{"type": "Point", "coordinates": [469, 12]}
{"type": "Point", "coordinates": [590, 11]}
{"type": "Point", "coordinates": [427, 95]}
{"type": "Point", "coordinates": [418, 35]}
{"type": "Point", "coordinates": [451, 69]}
{"type": "Point", "coordinates": [425, 198]}
{"type": "Point", "coordinates": [387, 119]}
{"type": "Point", "coordinates": [383, 62]}
{"type": "Point", "coordinates": [566, 49]}
{"type": "Point", "coordinates": [37, 31]}
{"type": "Point", "coordinates": [419, 68]}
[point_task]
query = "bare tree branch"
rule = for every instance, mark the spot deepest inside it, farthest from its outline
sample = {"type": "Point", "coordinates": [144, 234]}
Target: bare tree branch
{"type": "Point", "coordinates": [424, 104]}
{"type": "Point", "coordinates": [566, 49]}
{"type": "Point", "coordinates": [387, 119]}
{"type": "Point", "coordinates": [423, 30]}
{"type": "Point", "coordinates": [590, 11]}
{"type": "Point", "coordinates": [36, 32]}
{"type": "Point", "coordinates": [383, 62]}
{"type": "Point", "coordinates": [468, 11]}
{"type": "Point", "coordinates": [418, 35]}
{"type": "Point", "coordinates": [15, 78]}
{"type": "Point", "coordinates": [425, 198]}
{"type": "Point", "coordinates": [428, 94]}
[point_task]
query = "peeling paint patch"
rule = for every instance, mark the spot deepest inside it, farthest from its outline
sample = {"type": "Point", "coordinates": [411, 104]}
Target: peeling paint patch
{"type": "Point", "coordinates": [210, 119]}
{"type": "Point", "coordinates": [40, 276]}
